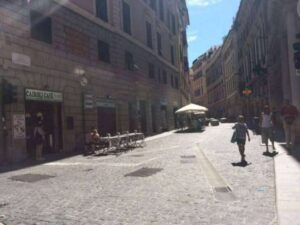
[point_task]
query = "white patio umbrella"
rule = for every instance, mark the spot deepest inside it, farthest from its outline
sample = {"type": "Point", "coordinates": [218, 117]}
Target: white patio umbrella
{"type": "Point", "coordinates": [192, 108]}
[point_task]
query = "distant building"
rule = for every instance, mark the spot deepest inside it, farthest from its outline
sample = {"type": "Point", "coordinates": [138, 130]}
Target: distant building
{"type": "Point", "coordinates": [233, 105]}
{"type": "Point", "coordinates": [115, 65]}
{"type": "Point", "coordinates": [198, 81]}
{"type": "Point", "coordinates": [215, 84]}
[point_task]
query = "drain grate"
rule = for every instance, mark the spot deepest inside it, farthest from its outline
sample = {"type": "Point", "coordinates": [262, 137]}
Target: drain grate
{"type": "Point", "coordinates": [222, 189]}
{"type": "Point", "coordinates": [144, 172]}
{"type": "Point", "coordinates": [188, 156]}
{"type": "Point", "coordinates": [31, 178]}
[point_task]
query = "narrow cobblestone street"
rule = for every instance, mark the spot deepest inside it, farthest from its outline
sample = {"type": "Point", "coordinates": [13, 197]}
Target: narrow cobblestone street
{"type": "Point", "coordinates": [182, 178]}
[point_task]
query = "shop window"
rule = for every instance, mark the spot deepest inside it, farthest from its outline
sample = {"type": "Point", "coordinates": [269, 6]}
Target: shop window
{"type": "Point", "coordinates": [176, 83]}
{"type": "Point", "coordinates": [151, 70]}
{"type": "Point", "coordinates": [172, 55]}
{"type": "Point", "coordinates": [161, 10]}
{"type": "Point", "coordinates": [101, 10]}
{"type": "Point", "coordinates": [172, 80]}
{"type": "Point", "coordinates": [129, 61]}
{"type": "Point", "coordinates": [173, 24]}
{"type": "Point", "coordinates": [165, 79]}
{"type": "Point", "coordinates": [153, 4]}
{"type": "Point", "coordinates": [126, 18]}
{"type": "Point", "coordinates": [159, 51]}
{"type": "Point", "coordinates": [149, 34]}
{"type": "Point", "coordinates": [103, 52]}
{"type": "Point", "coordinates": [41, 27]}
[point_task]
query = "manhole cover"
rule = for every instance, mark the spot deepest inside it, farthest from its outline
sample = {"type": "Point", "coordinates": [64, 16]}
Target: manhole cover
{"type": "Point", "coordinates": [137, 156]}
{"type": "Point", "coordinates": [222, 189]}
{"type": "Point", "coordinates": [144, 172]}
{"type": "Point", "coordinates": [31, 178]}
{"type": "Point", "coordinates": [188, 156]}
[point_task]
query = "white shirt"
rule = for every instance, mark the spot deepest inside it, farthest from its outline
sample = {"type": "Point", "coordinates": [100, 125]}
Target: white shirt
{"type": "Point", "coordinates": [266, 121]}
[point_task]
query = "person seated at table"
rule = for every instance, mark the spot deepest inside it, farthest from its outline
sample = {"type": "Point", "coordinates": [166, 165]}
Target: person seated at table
{"type": "Point", "coordinates": [92, 139]}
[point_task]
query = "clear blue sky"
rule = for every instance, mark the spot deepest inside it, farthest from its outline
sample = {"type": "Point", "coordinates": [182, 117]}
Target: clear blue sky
{"type": "Point", "coordinates": [210, 21]}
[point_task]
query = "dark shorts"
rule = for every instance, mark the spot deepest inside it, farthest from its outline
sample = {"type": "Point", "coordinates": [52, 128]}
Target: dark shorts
{"type": "Point", "coordinates": [267, 133]}
{"type": "Point", "coordinates": [241, 141]}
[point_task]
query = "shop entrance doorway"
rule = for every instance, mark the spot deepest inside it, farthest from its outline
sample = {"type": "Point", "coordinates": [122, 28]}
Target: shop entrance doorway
{"type": "Point", "coordinates": [107, 120]}
{"type": "Point", "coordinates": [50, 115]}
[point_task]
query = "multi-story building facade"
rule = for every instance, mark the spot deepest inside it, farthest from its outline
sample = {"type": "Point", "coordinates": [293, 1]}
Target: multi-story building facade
{"type": "Point", "coordinates": [109, 64]}
{"type": "Point", "coordinates": [266, 32]}
{"type": "Point", "coordinates": [231, 76]}
{"type": "Point", "coordinates": [283, 78]}
{"type": "Point", "coordinates": [250, 26]}
{"type": "Point", "coordinates": [198, 81]}
{"type": "Point", "coordinates": [215, 84]}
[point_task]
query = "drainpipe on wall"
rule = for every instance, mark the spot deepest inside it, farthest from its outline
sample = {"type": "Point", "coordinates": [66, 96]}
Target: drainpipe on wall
{"type": "Point", "coordinates": [298, 8]}
{"type": "Point", "coordinates": [1, 121]}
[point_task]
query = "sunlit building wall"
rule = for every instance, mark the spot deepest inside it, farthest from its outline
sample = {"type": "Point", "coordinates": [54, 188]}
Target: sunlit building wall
{"type": "Point", "coordinates": [77, 64]}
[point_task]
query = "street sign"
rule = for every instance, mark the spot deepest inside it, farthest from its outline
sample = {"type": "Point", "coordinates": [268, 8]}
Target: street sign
{"type": "Point", "coordinates": [247, 92]}
{"type": "Point", "coordinates": [45, 96]}
{"type": "Point", "coordinates": [20, 59]}
{"type": "Point", "coordinates": [88, 101]}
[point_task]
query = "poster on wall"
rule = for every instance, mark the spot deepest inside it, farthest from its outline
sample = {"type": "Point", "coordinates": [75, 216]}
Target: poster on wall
{"type": "Point", "coordinates": [19, 126]}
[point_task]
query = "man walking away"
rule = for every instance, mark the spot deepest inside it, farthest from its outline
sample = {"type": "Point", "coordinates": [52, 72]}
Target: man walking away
{"type": "Point", "coordinates": [267, 129]}
{"type": "Point", "coordinates": [289, 115]}
{"type": "Point", "coordinates": [241, 132]}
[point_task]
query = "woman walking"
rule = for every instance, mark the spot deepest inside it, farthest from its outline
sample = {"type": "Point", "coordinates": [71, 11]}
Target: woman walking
{"type": "Point", "coordinates": [241, 130]}
{"type": "Point", "coordinates": [267, 129]}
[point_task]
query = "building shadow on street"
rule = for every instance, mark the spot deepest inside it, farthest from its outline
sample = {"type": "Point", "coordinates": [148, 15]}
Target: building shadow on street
{"type": "Point", "coordinates": [187, 131]}
{"type": "Point", "coordinates": [31, 162]}
{"type": "Point", "coordinates": [280, 138]}
{"type": "Point", "coordinates": [295, 153]}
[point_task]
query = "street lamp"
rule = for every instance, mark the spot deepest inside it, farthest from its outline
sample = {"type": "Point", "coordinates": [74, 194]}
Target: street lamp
{"type": "Point", "coordinates": [80, 74]}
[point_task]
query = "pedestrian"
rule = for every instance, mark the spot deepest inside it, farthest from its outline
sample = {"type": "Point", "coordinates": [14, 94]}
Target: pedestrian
{"type": "Point", "coordinates": [267, 128]}
{"type": "Point", "coordinates": [241, 130]}
{"type": "Point", "coordinates": [92, 139]}
{"type": "Point", "coordinates": [39, 140]}
{"type": "Point", "coordinates": [289, 114]}
{"type": "Point", "coordinates": [274, 114]}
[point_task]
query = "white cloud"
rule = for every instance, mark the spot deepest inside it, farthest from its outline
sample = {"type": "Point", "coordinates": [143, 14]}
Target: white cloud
{"type": "Point", "coordinates": [202, 3]}
{"type": "Point", "coordinates": [192, 38]}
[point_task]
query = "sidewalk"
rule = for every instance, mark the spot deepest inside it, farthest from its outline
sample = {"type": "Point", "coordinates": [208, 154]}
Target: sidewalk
{"type": "Point", "coordinates": [287, 172]}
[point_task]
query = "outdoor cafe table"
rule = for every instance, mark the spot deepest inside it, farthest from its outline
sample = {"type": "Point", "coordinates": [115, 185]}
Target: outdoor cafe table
{"type": "Point", "coordinates": [126, 139]}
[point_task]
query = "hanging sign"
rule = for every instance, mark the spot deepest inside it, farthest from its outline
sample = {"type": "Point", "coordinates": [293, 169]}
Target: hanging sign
{"type": "Point", "coordinates": [45, 96]}
{"type": "Point", "coordinates": [19, 126]}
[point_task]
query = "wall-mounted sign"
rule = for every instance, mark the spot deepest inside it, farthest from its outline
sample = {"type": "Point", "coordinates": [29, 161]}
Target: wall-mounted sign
{"type": "Point", "coordinates": [44, 96]}
{"type": "Point", "coordinates": [20, 59]}
{"type": "Point", "coordinates": [19, 126]}
{"type": "Point", "coordinates": [105, 104]}
{"type": "Point", "coordinates": [88, 101]}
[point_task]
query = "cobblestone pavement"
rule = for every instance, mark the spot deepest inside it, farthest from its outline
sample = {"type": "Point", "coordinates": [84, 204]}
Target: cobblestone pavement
{"type": "Point", "coordinates": [102, 190]}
